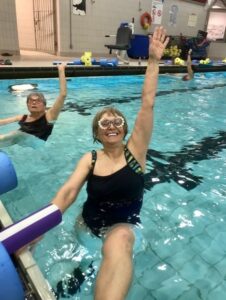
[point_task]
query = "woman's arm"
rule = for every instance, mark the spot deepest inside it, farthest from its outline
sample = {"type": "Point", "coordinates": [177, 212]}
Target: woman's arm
{"type": "Point", "coordinates": [189, 65]}
{"type": "Point", "coordinates": [53, 113]}
{"type": "Point", "coordinates": [140, 137]}
{"type": "Point", "coordinates": [68, 193]}
{"type": "Point", "coordinates": [10, 120]}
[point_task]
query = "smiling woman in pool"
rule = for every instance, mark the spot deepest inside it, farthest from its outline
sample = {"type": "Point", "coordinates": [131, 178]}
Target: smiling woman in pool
{"type": "Point", "coordinates": [115, 182]}
{"type": "Point", "coordinates": [40, 121]}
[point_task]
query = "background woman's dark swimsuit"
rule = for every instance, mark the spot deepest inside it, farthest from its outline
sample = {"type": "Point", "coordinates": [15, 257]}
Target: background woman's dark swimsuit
{"type": "Point", "coordinates": [40, 128]}
{"type": "Point", "coordinates": [116, 198]}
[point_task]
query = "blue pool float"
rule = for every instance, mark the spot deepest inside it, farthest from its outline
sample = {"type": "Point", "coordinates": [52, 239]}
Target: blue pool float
{"type": "Point", "coordinates": [11, 286]}
{"type": "Point", "coordinates": [168, 62]}
{"type": "Point", "coordinates": [75, 62]}
{"type": "Point", "coordinates": [8, 178]}
{"type": "Point", "coordinates": [105, 62]}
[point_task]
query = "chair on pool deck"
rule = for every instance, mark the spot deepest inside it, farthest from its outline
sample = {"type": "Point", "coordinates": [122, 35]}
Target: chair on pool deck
{"type": "Point", "coordinates": [123, 38]}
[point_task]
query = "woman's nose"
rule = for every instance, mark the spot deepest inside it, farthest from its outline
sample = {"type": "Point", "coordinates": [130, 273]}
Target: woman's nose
{"type": "Point", "coordinates": [111, 125]}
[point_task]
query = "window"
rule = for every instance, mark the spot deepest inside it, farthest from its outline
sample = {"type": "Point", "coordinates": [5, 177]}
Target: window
{"type": "Point", "coordinates": [216, 24]}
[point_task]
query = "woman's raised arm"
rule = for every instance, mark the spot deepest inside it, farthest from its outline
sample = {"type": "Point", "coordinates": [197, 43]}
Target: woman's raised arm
{"type": "Point", "coordinates": [54, 111]}
{"type": "Point", "coordinates": [140, 137]}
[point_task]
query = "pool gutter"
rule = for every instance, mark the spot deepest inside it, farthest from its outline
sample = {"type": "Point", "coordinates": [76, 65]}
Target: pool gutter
{"type": "Point", "coordinates": [28, 270]}
{"type": "Point", "coordinates": [11, 72]}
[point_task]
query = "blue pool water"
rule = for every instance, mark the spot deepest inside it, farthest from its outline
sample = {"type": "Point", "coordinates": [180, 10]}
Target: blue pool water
{"type": "Point", "coordinates": [184, 212]}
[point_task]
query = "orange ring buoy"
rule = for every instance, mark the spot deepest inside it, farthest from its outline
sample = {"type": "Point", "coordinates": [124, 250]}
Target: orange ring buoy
{"type": "Point", "coordinates": [145, 20]}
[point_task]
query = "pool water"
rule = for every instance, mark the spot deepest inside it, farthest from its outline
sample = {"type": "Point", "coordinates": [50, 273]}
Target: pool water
{"type": "Point", "coordinates": [184, 211]}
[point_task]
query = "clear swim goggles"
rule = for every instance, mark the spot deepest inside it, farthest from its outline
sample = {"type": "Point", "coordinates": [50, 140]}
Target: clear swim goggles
{"type": "Point", "coordinates": [116, 122]}
{"type": "Point", "coordinates": [35, 99]}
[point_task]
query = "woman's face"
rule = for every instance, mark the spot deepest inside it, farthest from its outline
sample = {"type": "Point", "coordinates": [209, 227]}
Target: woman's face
{"type": "Point", "coordinates": [111, 129]}
{"type": "Point", "coordinates": [35, 104]}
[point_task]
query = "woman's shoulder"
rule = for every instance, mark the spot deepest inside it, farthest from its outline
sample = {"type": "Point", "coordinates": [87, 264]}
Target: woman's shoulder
{"type": "Point", "coordinates": [88, 157]}
{"type": "Point", "coordinates": [20, 117]}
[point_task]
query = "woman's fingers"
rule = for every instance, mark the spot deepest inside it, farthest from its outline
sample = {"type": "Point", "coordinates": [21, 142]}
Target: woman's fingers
{"type": "Point", "coordinates": [166, 41]}
{"type": "Point", "coordinates": [160, 35]}
{"type": "Point", "coordinates": [163, 35]}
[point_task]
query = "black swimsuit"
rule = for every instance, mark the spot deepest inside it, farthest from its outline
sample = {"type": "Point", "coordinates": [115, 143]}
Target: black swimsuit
{"type": "Point", "coordinates": [40, 128]}
{"type": "Point", "coordinates": [116, 198]}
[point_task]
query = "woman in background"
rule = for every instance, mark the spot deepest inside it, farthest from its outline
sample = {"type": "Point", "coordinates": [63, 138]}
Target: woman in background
{"type": "Point", "coordinates": [40, 121]}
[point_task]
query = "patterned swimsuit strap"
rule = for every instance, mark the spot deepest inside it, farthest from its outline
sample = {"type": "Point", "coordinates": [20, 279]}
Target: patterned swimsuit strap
{"type": "Point", "coordinates": [94, 158]}
{"type": "Point", "coordinates": [132, 162]}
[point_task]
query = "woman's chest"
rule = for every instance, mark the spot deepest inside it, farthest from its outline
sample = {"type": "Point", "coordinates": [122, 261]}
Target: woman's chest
{"type": "Point", "coordinates": [124, 183]}
{"type": "Point", "coordinates": [106, 167]}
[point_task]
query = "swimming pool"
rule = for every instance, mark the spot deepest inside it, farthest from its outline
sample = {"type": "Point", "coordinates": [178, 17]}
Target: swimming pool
{"type": "Point", "coordinates": [185, 200]}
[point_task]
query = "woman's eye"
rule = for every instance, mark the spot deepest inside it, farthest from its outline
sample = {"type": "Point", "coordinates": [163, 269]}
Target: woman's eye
{"type": "Point", "coordinates": [118, 122]}
{"type": "Point", "coordinates": [105, 123]}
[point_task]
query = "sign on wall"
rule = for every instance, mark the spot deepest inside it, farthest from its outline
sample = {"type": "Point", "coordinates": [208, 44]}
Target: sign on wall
{"type": "Point", "coordinates": [173, 15]}
{"type": "Point", "coordinates": [156, 11]}
{"type": "Point", "coordinates": [192, 20]}
{"type": "Point", "coordinates": [79, 7]}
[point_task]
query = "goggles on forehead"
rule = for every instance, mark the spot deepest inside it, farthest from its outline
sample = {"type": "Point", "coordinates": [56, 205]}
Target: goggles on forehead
{"type": "Point", "coordinates": [116, 122]}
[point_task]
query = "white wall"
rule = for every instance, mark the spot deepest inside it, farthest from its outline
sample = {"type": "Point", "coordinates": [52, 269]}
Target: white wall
{"type": "Point", "coordinates": [77, 34]}
{"type": "Point", "coordinates": [185, 9]}
{"type": "Point", "coordinates": [104, 16]}
{"type": "Point", "coordinates": [217, 50]}
{"type": "Point", "coordinates": [8, 27]}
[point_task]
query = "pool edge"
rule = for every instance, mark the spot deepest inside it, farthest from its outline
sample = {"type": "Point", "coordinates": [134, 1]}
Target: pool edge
{"type": "Point", "coordinates": [12, 72]}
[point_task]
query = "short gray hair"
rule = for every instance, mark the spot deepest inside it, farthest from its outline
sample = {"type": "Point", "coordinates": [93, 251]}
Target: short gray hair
{"type": "Point", "coordinates": [39, 95]}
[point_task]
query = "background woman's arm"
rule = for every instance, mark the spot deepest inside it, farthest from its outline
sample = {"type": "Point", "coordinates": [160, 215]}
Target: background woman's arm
{"type": "Point", "coordinates": [189, 65]}
{"type": "Point", "coordinates": [53, 113]}
{"type": "Point", "coordinates": [10, 120]}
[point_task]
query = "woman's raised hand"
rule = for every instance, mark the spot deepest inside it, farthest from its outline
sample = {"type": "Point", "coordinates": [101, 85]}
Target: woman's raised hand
{"type": "Point", "coordinates": [61, 67]}
{"type": "Point", "coordinates": [158, 43]}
